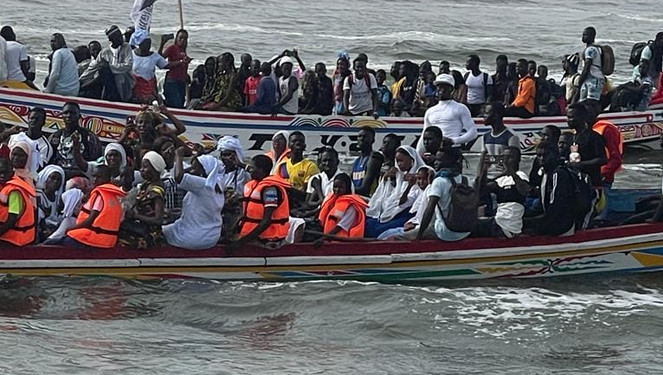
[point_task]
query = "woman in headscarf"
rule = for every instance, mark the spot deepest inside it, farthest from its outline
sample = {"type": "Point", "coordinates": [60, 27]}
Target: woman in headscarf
{"type": "Point", "coordinates": [141, 228]}
{"type": "Point", "coordinates": [25, 157]}
{"type": "Point", "coordinates": [200, 225]}
{"type": "Point", "coordinates": [233, 176]}
{"type": "Point", "coordinates": [72, 200]}
{"type": "Point", "coordinates": [389, 206]}
{"type": "Point", "coordinates": [50, 186]}
{"type": "Point", "coordinates": [280, 151]}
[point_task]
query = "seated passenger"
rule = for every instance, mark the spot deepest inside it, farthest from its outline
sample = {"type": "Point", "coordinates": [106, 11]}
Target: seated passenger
{"type": "Point", "coordinates": [432, 141]}
{"type": "Point", "coordinates": [297, 170]}
{"type": "Point", "coordinates": [234, 177]}
{"type": "Point", "coordinates": [389, 206]}
{"type": "Point", "coordinates": [366, 168]}
{"type": "Point", "coordinates": [17, 210]}
{"type": "Point", "coordinates": [439, 199]}
{"type": "Point", "coordinates": [523, 105]}
{"type": "Point", "coordinates": [199, 227]}
{"type": "Point", "coordinates": [141, 228]}
{"type": "Point", "coordinates": [115, 157]}
{"type": "Point", "coordinates": [50, 186]}
{"type": "Point", "coordinates": [266, 207]}
{"type": "Point", "coordinates": [279, 152]}
{"type": "Point", "coordinates": [511, 189]}
{"type": "Point", "coordinates": [71, 206]}
{"type": "Point", "coordinates": [166, 146]}
{"type": "Point", "coordinates": [99, 221]}
{"type": "Point", "coordinates": [149, 125]}
{"type": "Point", "coordinates": [343, 214]}
{"type": "Point", "coordinates": [636, 95]}
{"type": "Point", "coordinates": [25, 157]}
{"type": "Point", "coordinates": [499, 138]}
{"type": "Point", "coordinates": [557, 190]}
{"type": "Point", "coordinates": [65, 139]}
{"type": "Point", "coordinates": [425, 176]}
{"type": "Point", "coordinates": [321, 185]}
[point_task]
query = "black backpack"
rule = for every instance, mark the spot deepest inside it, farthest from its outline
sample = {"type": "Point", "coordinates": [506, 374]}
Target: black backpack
{"type": "Point", "coordinates": [636, 52]}
{"type": "Point", "coordinates": [583, 197]}
{"type": "Point", "coordinates": [463, 208]}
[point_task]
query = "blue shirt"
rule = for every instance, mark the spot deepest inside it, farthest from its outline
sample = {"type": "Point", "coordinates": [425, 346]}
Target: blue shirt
{"type": "Point", "coordinates": [266, 100]}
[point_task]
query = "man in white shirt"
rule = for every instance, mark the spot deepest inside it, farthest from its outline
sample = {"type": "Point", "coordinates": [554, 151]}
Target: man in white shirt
{"type": "Point", "coordinates": [360, 91]}
{"type": "Point", "coordinates": [479, 85]}
{"type": "Point", "coordinates": [591, 79]}
{"type": "Point", "coordinates": [16, 56]}
{"type": "Point", "coordinates": [453, 118]}
{"type": "Point", "coordinates": [36, 121]}
{"type": "Point", "coordinates": [3, 62]}
{"type": "Point", "coordinates": [63, 78]}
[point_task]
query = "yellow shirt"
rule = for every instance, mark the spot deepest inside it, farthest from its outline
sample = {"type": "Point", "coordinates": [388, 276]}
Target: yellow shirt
{"type": "Point", "coordinates": [297, 174]}
{"type": "Point", "coordinates": [396, 88]}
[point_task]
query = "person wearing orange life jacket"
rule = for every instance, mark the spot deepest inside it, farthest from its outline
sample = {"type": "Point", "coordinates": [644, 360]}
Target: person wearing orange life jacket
{"type": "Point", "coordinates": [280, 151]}
{"type": "Point", "coordinates": [17, 208]}
{"type": "Point", "coordinates": [266, 206]}
{"type": "Point", "coordinates": [614, 146]}
{"type": "Point", "coordinates": [99, 221]}
{"type": "Point", "coordinates": [343, 214]}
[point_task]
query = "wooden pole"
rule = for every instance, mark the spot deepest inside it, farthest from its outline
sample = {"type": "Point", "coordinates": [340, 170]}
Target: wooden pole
{"type": "Point", "coordinates": [179, 3]}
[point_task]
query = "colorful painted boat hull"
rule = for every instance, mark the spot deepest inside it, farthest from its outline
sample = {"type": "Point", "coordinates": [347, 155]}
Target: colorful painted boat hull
{"type": "Point", "coordinates": [628, 249]}
{"type": "Point", "coordinates": [255, 131]}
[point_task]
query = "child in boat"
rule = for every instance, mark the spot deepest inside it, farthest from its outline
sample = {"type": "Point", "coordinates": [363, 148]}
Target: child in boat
{"type": "Point", "coordinates": [425, 176]}
{"type": "Point", "coordinates": [50, 186]}
{"type": "Point", "coordinates": [71, 206]}
{"type": "Point", "coordinates": [389, 206]}
{"type": "Point", "coordinates": [343, 214]}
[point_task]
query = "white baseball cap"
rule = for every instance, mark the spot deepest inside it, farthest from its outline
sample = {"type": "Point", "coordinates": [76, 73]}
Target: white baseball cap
{"type": "Point", "coordinates": [446, 79]}
{"type": "Point", "coordinates": [285, 60]}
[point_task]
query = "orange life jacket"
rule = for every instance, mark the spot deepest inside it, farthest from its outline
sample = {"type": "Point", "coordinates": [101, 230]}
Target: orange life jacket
{"type": "Point", "coordinates": [276, 162]}
{"type": "Point", "coordinates": [104, 229]}
{"type": "Point", "coordinates": [333, 209]}
{"type": "Point", "coordinates": [600, 127]}
{"type": "Point", "coordinates": [24, 231]}
{"type": "Point", "coordinates": [254, 209]}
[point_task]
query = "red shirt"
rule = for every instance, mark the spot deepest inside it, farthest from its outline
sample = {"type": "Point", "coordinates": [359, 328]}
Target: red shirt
{"type": "Point", "coordinates": [176, 53]}
{"type": "Point", "coordinates": [251, 88]}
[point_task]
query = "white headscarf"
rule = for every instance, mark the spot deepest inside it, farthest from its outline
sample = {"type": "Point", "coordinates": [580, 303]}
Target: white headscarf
{"type": "Point", "coordinates": [116, 147]}
{"type": "Point", "coordinates": [156, 161]}
{"type": "Point", "coordinates": [211, 166]}
{"type": "Point", "coordinates": [284, 133]}
{"type": "Point", "coordinates": [31, 148]}
{"type": "Point", "coordinates": [228, 143]}
{"type": "Point", "coordinates": [385, 202]}
{"type": "Point", "coordinates": [46, 172]}
{"type": "Point", "coordinates": [71, 199]}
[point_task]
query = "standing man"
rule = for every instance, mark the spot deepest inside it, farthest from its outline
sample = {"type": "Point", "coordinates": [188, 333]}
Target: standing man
{"type": "Point", "coordinates": [119, 58]}
{"type": "Point", "coordinates": [591, 79]}
{"type": "Point", "coordinates": [500, 79]}
{"type": "Point", "coordinates": [63, 79]}
{"type": "Point", "coordinates": [360, 91]}
{"type": "Point", "coordinates": [525, 101]}
{"type": "Point", "coordinates": [453, 118]}
{"type": "Point", "coordinates": [175, 86]}
{"type": "Point", "coordinates": [288, 89]}
{"type": "Point", "coordinates": [479, 85]}
{"type": "Point", "coordinates": [16, 56]}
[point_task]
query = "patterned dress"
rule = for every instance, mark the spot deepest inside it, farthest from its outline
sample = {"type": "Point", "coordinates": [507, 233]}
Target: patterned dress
{"type": "Point", "coordinates": [135, 233]}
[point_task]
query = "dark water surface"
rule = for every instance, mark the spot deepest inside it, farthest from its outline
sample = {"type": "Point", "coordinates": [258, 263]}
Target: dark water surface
{"type": "Point", "coordinates": [581, 325]}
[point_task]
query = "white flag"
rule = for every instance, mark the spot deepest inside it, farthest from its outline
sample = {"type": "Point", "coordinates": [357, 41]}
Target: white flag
{"type": "Point", "coordinates": [141, 14]}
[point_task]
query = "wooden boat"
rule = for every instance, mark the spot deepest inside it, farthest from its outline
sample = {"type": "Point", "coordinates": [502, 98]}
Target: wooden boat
{"type": "Point", "coordinates": [626, 249]}
{"type": "Point", "coordinates": [107, 120]}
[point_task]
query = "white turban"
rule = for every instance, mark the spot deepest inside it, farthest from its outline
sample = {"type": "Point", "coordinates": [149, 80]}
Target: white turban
{"type": "Point", "coordinates": [117, 147]}
{"type": "Point", "coordinates": [71, 199]}
{"type": "Point", "coordinates": [284, 133]}
{"type": "Point", "coordinates": [211, 166]}
{"type": "Point", "coordinates": [46, 172]}
{"type": "Point", "coordinates": [31, 148]}
{"type": "Point", "coordinates": [156, 161]}
{"type": "Point", "coordinates": [228, 143]}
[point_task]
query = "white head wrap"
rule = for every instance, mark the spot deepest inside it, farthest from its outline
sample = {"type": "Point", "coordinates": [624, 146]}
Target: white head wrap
{"type": "Point", "coordinates": [117, 147]}
{"type": "Point", "coordinates": [46, 172]}
{"type": "Point", "coordinates": [156, 161]}
{"type": "Point", "coordinates": [284, 133]}
{"type": "Point", "coordinates": [418, 161]}
{"type": "Point", "coordinates": [31, 149]}
{"type": "Point", "coordinates": [71, 199]}
{"type": "Point", "coordinates": [228, 143]}
{"type": "Point", "coordinates": [211, 166]}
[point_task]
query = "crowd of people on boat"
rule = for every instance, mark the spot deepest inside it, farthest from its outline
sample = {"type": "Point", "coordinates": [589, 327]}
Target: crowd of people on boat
{"type": "Point", "coordinates": [125, 70]}
{"type": "Point", "coordinates": [150, 189]}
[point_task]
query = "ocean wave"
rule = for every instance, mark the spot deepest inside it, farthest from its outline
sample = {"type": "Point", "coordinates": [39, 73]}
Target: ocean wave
{"type": "Point", "coordinates": [636, 17]}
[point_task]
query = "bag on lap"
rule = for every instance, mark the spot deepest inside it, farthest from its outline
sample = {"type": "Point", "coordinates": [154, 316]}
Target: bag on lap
{"type": "Point", "coordinates": [463, 208]}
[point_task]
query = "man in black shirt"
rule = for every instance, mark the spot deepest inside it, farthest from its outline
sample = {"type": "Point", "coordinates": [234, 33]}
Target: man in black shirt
{"type": "Point", "coordinates": [588, 143]}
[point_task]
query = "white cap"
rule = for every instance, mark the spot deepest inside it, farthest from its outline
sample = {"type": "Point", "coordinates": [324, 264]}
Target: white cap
{"type": "Point", "coordinates": [285, 60]}
{"type": "Point", "coordinates": [445, 78]}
